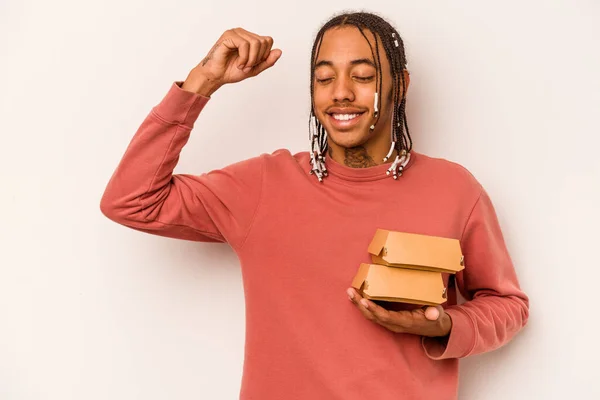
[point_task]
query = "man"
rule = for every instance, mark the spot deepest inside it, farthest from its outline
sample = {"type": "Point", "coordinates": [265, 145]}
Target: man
{"type": "Point", "coordinates": [301, 224]}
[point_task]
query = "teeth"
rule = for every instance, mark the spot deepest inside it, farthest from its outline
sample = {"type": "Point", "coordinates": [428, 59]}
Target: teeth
{"type": "Point", "coordinates": [344, 117]}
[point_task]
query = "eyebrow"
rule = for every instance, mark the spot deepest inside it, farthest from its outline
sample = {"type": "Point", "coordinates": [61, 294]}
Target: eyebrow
{"type": "Point", "coordinates": [353, 62]}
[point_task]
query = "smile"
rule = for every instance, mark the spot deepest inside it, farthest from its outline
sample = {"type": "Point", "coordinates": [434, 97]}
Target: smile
{"type": "Point", "coordinates": [344, 121]}
{"type": "Point", "coordinates": [344, 117]}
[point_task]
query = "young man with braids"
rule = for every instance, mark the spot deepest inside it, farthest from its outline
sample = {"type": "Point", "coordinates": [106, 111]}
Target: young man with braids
{"type": "Point", "coordinates": [304, 339]}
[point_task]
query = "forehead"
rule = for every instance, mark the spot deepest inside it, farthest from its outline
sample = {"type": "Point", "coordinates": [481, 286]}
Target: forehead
{"type": "Point", "coordinates": [344, 44]}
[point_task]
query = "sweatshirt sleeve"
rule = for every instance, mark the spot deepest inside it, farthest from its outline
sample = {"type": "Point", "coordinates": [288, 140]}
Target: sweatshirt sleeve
{"type": "Point", "coordinates": [144, 194]}
{"type": "Point", "coordinates": [495, 308]}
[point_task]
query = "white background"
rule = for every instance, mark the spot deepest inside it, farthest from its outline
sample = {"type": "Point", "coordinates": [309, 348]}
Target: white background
{"type": "Point", "coordinates": [91, 310]}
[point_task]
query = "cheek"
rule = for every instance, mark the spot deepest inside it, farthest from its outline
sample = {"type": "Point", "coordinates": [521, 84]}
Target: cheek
{"type": "Point", "coordinates": [321, 102]}
{"type": "Point", "coordinates": [320, 97]}
{"type": "Point", "coordinates": [366, 95]}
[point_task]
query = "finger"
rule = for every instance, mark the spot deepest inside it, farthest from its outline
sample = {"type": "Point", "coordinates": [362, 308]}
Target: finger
{"type": "Point", "coordinates": [433, 313]}
{"type": "Point", "coordinates": [357, 300]}
{"type": "Point", "coordinates": [360, 301]}
{"type": "Point", "coordinates": [236, 42]}
{"type": "Point", "coordinates": [354, 295]}
{"type": "Point", "coordinates": [351, 293]}
{"type": "Point", "coordinates": [268, 63]}
{"type": "Point", "coordinates": [399, 320]}
{"type": "Point", "coordinates": [365, 312]}
{"type": "Point", "coordinates": [374, 312]}
{"type": "Point", "coordinates": [380, 313]}
{"type": "Point", "coordinates": [232, 42]}
{"type": "Point", "coordinates": [255, 48]}
{"type": "Point", "coordinates": [266, 45]}
{"type": "Point", "coordinates": [395, 321]}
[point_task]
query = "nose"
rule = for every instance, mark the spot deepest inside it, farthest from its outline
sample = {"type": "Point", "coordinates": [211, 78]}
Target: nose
{"type": "Point", "coordinates": [342, 90]}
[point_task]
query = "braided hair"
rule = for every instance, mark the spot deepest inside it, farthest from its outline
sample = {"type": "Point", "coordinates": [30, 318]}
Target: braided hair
{"type": "Point", "coordinates": [393, 46]}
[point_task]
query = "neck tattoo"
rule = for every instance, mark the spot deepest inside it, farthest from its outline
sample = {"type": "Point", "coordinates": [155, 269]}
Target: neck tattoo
{"type": "Point", "coordinates": [357, 157]}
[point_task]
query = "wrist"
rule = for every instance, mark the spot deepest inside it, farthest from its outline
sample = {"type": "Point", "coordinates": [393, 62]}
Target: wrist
{"type": "Point", "coordinates": [199, 83]}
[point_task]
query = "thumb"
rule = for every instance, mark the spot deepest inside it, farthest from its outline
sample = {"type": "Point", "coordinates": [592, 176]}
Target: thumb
{"type": "Point", "coordinates": [268, 62]}
{"type": "Point", "coordinates": [433, 313]}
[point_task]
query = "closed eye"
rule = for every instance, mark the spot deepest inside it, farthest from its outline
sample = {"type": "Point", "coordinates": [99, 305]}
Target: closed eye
{"type": "Point", "coordinates": [324, 80]}
{"type": "Point", "coordinates": [357, 78]}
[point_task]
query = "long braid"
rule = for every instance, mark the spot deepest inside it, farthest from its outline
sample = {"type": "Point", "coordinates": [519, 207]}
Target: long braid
{"type": "Point", "coordinates": [393, 46]}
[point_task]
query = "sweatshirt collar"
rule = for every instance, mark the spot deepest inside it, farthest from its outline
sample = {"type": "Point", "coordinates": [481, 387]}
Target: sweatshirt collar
{"type": "Point", "coordinates": [364, 174]}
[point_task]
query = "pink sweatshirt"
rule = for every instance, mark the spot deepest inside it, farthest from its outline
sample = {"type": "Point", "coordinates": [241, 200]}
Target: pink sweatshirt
{"type": "Point", "coordinates": [300, 242]}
